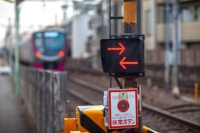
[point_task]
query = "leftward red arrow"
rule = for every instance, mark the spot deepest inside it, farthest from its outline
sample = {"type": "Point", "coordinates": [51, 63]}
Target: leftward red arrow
{"type": "Point", "coordinates": [122, 63]}
{"type": "Point", "coordinates": [122, 49]}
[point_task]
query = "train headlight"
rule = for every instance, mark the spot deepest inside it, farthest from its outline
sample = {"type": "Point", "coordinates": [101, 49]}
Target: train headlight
{"type": "Point", "coordinates": [61, 53]}
{"type": "Point", "coordinates": [38, 53]}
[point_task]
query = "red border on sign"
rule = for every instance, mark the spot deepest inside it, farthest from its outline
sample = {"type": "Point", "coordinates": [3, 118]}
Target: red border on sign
{"type": "Point", "coordinates": [110, 109]}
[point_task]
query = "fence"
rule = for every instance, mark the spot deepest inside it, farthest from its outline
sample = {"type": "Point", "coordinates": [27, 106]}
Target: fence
{"type": "Point", "coordinates": [188, 57]}
{"type": "Point", "coordinates": [44, 95]}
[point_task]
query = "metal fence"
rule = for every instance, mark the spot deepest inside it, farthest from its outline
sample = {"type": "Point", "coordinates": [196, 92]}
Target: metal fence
{"type": "Point", "coordinates": [188, 57]}
{"type": "Point", "coordinates": [44, 95]}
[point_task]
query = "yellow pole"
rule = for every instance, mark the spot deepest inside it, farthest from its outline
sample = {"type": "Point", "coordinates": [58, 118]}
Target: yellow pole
{"type": "Point", "coordinates": [130, 16]}
{"type": "Point", "coordinates": [196, 93]}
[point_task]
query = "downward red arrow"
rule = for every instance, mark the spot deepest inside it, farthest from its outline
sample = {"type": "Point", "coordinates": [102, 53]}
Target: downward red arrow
{"type": "Point", "coordinates": [122, 49]}
{"type": "Point", "coordinates": [129, 63]}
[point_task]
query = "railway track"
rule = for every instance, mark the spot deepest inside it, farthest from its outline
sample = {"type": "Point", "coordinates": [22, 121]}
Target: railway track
{"type": "Point", "coordinates": [166, 122]}
{"type": "Point", "coordinates": [183, 108]}
{"type": "Point", "coordinates": [185, 87]}
{"type": "Point", "coordinates": [83, 93]}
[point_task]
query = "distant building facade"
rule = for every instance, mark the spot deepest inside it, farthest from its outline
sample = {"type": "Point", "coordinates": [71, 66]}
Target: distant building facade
{"type": "Point", "coordinates": [189, 13]}
{"type": "Point", "coordinates": [87, 30]}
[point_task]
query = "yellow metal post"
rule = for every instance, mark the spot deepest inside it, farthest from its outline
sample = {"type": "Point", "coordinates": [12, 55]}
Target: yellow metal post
{"type": "Point", "coordinates": [70, 125]}
{"type": "Point", "coordinates": [130, 16]}
{"type": "Point", "coordinates": [148, 130]}
{"type": "Point", "coordinates": [17, 49]}
{"type": "Point", "coordinates": [196, 93]}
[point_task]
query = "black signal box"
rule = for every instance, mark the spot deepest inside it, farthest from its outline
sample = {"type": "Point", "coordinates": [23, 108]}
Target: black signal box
{"type": "Point", "coordinates": [123, 55]}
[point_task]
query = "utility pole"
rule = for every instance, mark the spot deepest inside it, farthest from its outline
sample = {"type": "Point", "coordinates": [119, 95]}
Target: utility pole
{"type": "Point", "coordinates": [153, 33]}
{"type": "Point", "coordinates": [17, 48]}
{"type": "Point", "coordinates": [176, 90]}
{"type": "Point", "coordinates": [16, 72]}
{"type": "Point", "coordinates": [167, 46]}
{"type": "Point", "coordinates": [139, 17]}
{"type": "Point", "coordinates": [132, 48]}
{"type": "Point", "coordinates": [130, 26]}
{"type": "Point", "coordinates": [10, 43]}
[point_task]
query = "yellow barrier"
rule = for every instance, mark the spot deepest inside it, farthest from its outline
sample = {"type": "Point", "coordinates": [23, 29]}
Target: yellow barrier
{"type": "Point", "coordinates": [94, 113]}
{"type": "Point", "coordinates": [148, 130]}
{"type": "Point", "coordinates": [196, 93]}
{"type": "Point", "coordinates": [77, 132]}
{"type": "Point", "coordinates": [70, 125]}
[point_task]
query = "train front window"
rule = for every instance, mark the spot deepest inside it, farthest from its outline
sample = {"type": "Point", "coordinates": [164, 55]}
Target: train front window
{"type": "Point", "coordinates": [54, 40]}
{"type": "Point", "coordinates": [38, 43]}
{"type": "Point", "coordinates": [38, 40]}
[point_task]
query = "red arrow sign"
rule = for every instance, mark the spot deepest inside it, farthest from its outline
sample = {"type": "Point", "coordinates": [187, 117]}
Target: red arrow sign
{"type": "Point", "coordinates": [122, 49]}
{"type": "Point", "coordinates": [129, 63]}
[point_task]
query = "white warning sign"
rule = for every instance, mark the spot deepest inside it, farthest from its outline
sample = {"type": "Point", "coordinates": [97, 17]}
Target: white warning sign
{"type": "Point", "coordinates": [122, 108]}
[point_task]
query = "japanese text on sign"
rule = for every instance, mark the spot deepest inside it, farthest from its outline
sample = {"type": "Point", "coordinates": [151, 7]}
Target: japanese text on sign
{"type": "Point", "coordinates": [119, 118]}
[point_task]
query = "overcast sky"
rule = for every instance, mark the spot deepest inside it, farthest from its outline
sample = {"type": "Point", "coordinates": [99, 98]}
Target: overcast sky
{"type": "Point", "coordinates": [32, 14]}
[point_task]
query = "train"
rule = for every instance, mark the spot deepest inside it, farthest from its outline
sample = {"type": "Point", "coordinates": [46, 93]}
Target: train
{"type": "Point", "coordinates": [45, 49]}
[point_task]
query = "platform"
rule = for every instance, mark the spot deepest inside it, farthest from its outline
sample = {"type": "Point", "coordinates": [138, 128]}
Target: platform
{"type": "Point", "coordinates": [12, 113]}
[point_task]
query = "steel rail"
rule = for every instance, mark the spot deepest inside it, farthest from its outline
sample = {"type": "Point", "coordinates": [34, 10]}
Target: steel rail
{"type": "Point", "coordinates": [81, 97]}
{"type": "Point", "coordinates": [86, 84]}
{"type": "Point", "coordinates": [158, 81]}
{"type": "Point", "coordinates": [188, 123]}
{"type": "Point", "coordinates": [183, 105]}
{"type": "Point", "coordinates": [183, 108]}
{"type": "Point", "coordinates": [193, 125]}
{"type": "Point", "coordinates": [87, 70]}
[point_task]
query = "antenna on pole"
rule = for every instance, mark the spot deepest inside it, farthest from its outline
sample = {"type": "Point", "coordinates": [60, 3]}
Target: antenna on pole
{"type": "Point", "coordinates": [176, 90]}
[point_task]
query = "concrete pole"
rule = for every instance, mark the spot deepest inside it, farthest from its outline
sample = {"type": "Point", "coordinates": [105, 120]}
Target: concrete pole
{"type": "Point", "coordinates": [130, 26]}
{"type": "Point", "coordinates": [153, 33]}
{"type": "Point", "coordinates": [139, 16]}
{"type": "Point", "coordinates": [176, 90]}
{"type": "Point", "coordinates": [17, 49]}
{"type": "Point", "coordinates": [9, 47]}
{"type": "Point", "coordinates": [167, 46]}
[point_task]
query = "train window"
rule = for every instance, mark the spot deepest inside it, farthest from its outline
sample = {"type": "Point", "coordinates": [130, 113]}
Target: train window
{"type": "Point", "coordinates": [38, 35]}
{"type": "Point", "coordinates": [197, 14]}
{"type": "Point", "coordinates": [186, 15]}
{"type": "Point", "coordinates": [38, 43]}
{"type": "Point", "coordinates": [38, 40]}
{"type": "Point", "coordinates": [51, 34]}
{"type": "Point", "coordinates": [54, 41]}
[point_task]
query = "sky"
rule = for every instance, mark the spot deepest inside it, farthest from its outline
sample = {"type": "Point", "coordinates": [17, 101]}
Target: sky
{"type": "Point", "coordinates": [33, 14]}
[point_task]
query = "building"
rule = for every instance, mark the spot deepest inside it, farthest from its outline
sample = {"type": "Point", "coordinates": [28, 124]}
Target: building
{"type": "Point", "coordinates": [153, 18]}
{"type": "Point", "coordinates": [153, 23]}
{"type": "Point", "coordinates": [153, 27]}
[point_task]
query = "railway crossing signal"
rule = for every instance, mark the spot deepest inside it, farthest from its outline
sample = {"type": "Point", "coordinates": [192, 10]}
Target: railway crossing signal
{"type": "Point", "coordinates": [123, 55]}
{"type": "Point", "coordinates": [121, 48]}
